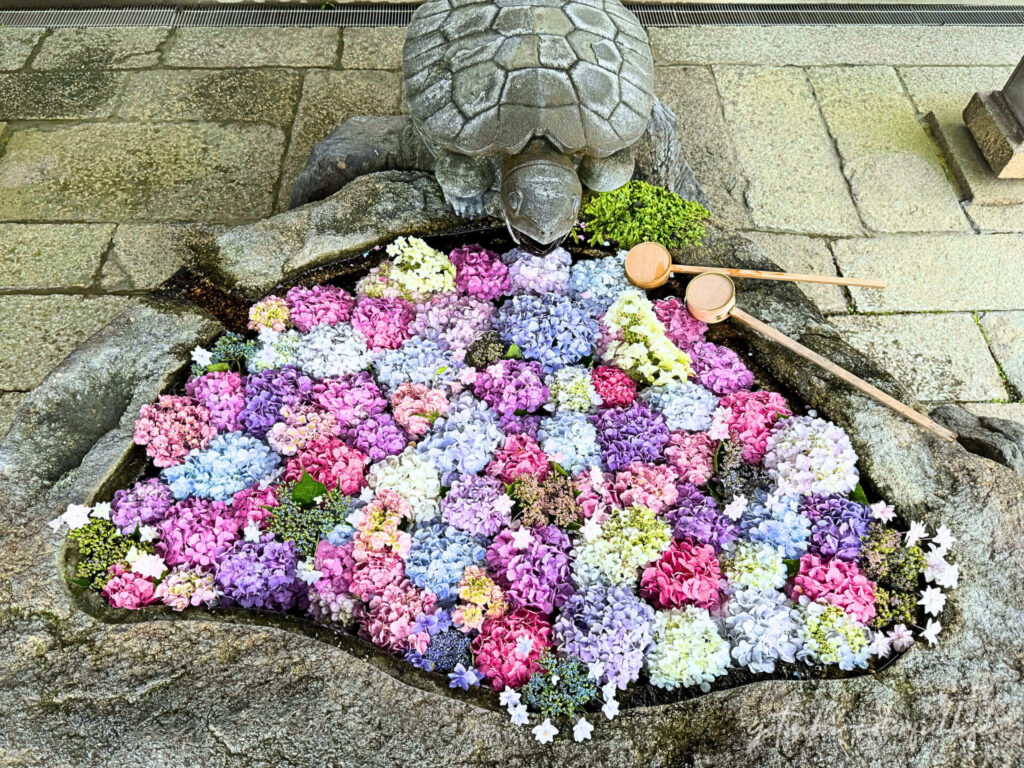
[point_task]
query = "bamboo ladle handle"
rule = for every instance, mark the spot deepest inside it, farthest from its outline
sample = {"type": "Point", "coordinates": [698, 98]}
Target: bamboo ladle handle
{"type": "Point", "coordinates": [792, 277]}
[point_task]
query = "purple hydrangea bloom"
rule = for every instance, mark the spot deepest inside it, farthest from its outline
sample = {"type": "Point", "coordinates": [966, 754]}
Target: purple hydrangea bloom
{"type": "Point", "coordinates": [838, 525]}
{"type": "Point", "coordinates": [464, 439]}
{"type": "Point", "coordinates": [684, 405]}
{"type": "Point", "coordinates": [473, 505]}
{"type": "Point", "coordinates": [538, 576]}
{"type": "Point", "coordinates": [438, 557]}
{"type": "Point", "coordinates": [531, 273]}
{"type": "Point", "coordinates": [550, 329]}
{"type": "Point", "coordinates": [512, 385]}
{"type": "Point", "coordinates": [529, 425]}
{"type": "Point", "coordinates": [633, 433]}
{"type": "Point", "coordinates": [453, 321]}
{"type": "Point", "coordinates": [719, 368]}
{"type": "Point", "coordinates": [377, 436]}
{"type": "Point", "coordinates": [596, 283]}
{"type": "Point", "coordinates": [610, 625]}
{"type": "Point", "coordinates": [697, 517]}
{"type": "Point", "coordinates": [419, 360]}
{"type": "Point", "coordinates": [145, 503]}
{"type": "Point", "coordinates": [266, 392]}
{"type": "Point", "coordinates": [261, 574]}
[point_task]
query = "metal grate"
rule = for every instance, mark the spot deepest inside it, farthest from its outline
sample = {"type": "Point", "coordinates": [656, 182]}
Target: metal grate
{"type": "Point", "coordinates": [650, 15]}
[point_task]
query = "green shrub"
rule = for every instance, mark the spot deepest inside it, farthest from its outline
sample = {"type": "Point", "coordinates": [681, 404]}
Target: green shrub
{"type": "Point", "coordinates": [639, 212]}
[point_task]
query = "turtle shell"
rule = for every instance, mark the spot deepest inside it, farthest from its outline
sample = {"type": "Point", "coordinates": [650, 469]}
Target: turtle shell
{"type": "Point", "coordinates": [485, 78]}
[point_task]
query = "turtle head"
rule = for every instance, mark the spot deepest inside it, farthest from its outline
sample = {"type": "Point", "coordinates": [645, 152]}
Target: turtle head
{"type": "Point", "coordinates": [540, 197]}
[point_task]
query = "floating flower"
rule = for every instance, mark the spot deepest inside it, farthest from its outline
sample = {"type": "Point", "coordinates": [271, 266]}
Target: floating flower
{"type": "Point", "coordinates": [830, 636]}
{"type": "Point", "coordinates": [329, 351]}
{"type": "Point", "coordinates": [763, 628]}
{"type": "Point", "coordinates": [536, 574]}
{"type": "Point", "coordinates": [184, 587]}
{"type": "Point", "coordinates": [416, 407]}
{"type": "Point", "coordinates": [683, 404]}
{"type": "Point", "coordinates": [638, 343]}
{"type": "Point", "coordinates": [595, 284]}
{"type": "Point", "coordinates": [686, 574]}
{"type": "Point", "coordinates": [836, 582]}
{"type": "Point", "coordinates": [519, 456]}
{"type": "Point", "coordinates": [838, 525]}
{"type": "Point", "coordinates": [682, 328]}
{"type": "Point", "coordinates": [572, 389]}
{"type": "Point", "coordinates": [549, 329]}
{"type": "Point", "coordinates": [266, 392]}
{"type": "Point", "coordinates": [231, 463]}
{"type": "Point", "coordinates": [613, 386]}
{"type": "Point", "coordinates": [633, 433]}
{"type": "Point", "coordinates": [756, 565]}
{"type": "Point", "coordinates": [538, 274]}
{"type": "Point", "coordinates": [499, 654]}
{"type": "Point", "coordinates": [480, 272]}
{"type": "Point", "coordinates": [384, 323]}
{"type": "Point", "coordinates": [719, 369]}
{"type": "Point", "coordinates": [223, 396]}
{"type": "Point", "coordinates": [145, 503]}
{"type": "Point", "coordinates": [329, 461]}
{"type": "Point", "coordinates": [570, 440]}
{"type": "Point", "coordinates": [388, 619]}
{"type": "Point", "coordinates": [750, 418]}
{"type": "Point", "coordinates": [260, 575]}
{"type": "Point", "coordinates": [128, 590]}
{"type": "Point", "coordinates": [477, 505]}
{"type": "Point", "coordinates": [630, 539]}
{"type": "Point", "coordinates": [692, 456]}
{"type": "Point", "coordinates": [271, 312]}
{"type": "Point", "coordinates": [438, 558]}
{"type": "Point", "coordinates": [698, 518]}
{"type": "Point", "coordinates": [511, 385]}
{"type": "Point", "coordinates": [463, 440]}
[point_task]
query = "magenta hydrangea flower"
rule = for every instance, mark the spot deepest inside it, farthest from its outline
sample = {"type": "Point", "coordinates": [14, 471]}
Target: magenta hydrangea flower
{"type": "Point", "coordinates": [330, 601]}
{"type": "Point", "coordinates": [197, 533]}
{"type": "Point", "coordinates": [184, 587]}
{"type": "Point", "coordinates": [373, 570]}
{"type": "Point", "coordinates": [416, 407]}
{"type": "Point", "coordinates": [480, 272]}
{"type": "Point", "coordinates": [633, 433]}
{"type": "Point", "coordinates": [519, 456]}
{"type": "Point", "coordinates": [172, 427]}
{"type": "Point", "coordinates": [613, 386]}
{"type": "Point", "coordinates": [126, 589]}
{"type": "Point", "coordinates": [329, 461]}
{"type": "Point", "coordinates": [837, 582]}
{"type": "Point", "coordinates": [595, 499]}
{"type": "Point", "coordinates": [682, 328]}
{"type": "Point", "coordinates": [647, 485]}
{"type": "Point", "coordinates": [319, 305]}
{"type": "Point", "coordinates": [719, 369]}
{"type": "Point", "coordinates": [512, 385]}
{"type": "Point", "coordinates": [383, 322]}
{"type": "Point", "coordinates": [536, 576]}
{"type": "Point", "coordinates": [508, 647]}
{"type": "Point", "coordinates": [261, 574]}
{"type": "Point", "coordinates": [254, 505]}
{"type": "Point", "coordinates": [692, 456]}
{"type": "Point", "coordinates": [685, 574]}
{"type": "Point", "coordinates": [751, 417]}
{"type": "Point", "coordinates": [223, 395]}
{"type": "Point", "coordinates": [351, 398]}
{"type": "Point", "coordinates": [145, 503]}
{"type": "Point", "coordinates": [387, 619]}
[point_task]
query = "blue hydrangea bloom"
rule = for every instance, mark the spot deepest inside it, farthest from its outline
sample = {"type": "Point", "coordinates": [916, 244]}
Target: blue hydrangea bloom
{"type": "Point", "coordinates": [550, 329]}
{"type": "Point", "coordinates": [782, 525]}
{"type": "Point", "coordinates": [569, 439]}
{"type": "Point", "coordinates": [684, 405]}
{"type": "Point", "coordinates": [594, 284]}
{"type": "Point", "coordinates": [231, 463]}
{"type": "Point", "coordinates": [419, 360]}
{"type": "Point", "coordinates": [464, 439]}
{"type": "Point", "coordinates": [438, 557]}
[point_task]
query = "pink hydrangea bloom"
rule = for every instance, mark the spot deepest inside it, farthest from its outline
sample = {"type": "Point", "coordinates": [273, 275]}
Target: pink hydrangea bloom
{"type": "Point", "coordinates": [595, 498]}
{"type": "Point", "coordinates": [299, 426]}
{"type": "Point", "coordinates": [686, 574]}
{"type": "Point", "coordinates": [184, 587]}
{"type": "Point", "coordinates": [519, 456]}
{"type": "Point", "coordinates": [271, 312]}
{"type": "Point", "coordinates": [253, 505]}
{"type": "Point", "coordinates": [351, 398]}
{"type": "Point", "coordinates": [480, 272]}
{"type": "Point", "coordinates": [171, 427]}
{"type": "Point", "coordinates": [126, 589]}
{"type": "Point", "coordinates": [197, 533]}
{"type": "Point", "coordinates": [835, 581]}
{"type": "Point", "coordinates": [751, 417]}
{"type": "Point", "coordinates": [329, 461]}
{"type": "Point", "coordinates": [508, 647]}
{"type": "Point", "coordinates": [329, 598]}
{"type": "Point", "coordinates": [373, 570]}
{"type": "Point", "coordinates": [387, 619]}
{"type": "Point", "coordinates": [319, 305]}
{"type": "Point", "coordinates": [223, 395]}
{"type": "Point", "coordinates": [377, 524]}
{"type": "Point", "coordinates": [416, 407]}
{"type": "Point", "coordinates": [648, 485]}
{"type": "Point", "coordinates": [613, 386]}
{"type": "Point", "coordinates": [691, 455]}
{"type": "Point", "coordinates": [384, 322]}
{"type": "Point", "coordinates": [682, 328]}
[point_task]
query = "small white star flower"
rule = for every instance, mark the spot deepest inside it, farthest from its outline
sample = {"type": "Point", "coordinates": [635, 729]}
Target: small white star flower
{"type": "Point", "coordinates": [148, 533]}
{"type": "Point", "coordinates": [545, 732]}
{"type": "Point", "coordinates": [101, 511]}
{"type": "Point", "coordinates": [609, 691]}
{"type": "Point", "coordinates": [366, 494]}
{"type": "Point", "coordinates": [734, 509]}
{"type": "Point", "coordinates": [931, 631]}
{"type": "Point", "coordinates": [949, 578]}
{"type": "Point", "coordinates": [901, 637]}
{"type": "Point", "coordinates": [509, 697]}
{"type": "Point", "coordinates": [596, 476]}
{"type": "Point", "coordinates": [935, 564]}
{"type": "Point", "coordinates": [503, 504]}
{"type": "Point", "coordinates": [720, 424]}
{"type": "Point", "coordinates": [591, 529]}
{"type": "Point", "coordinates": [519, 715]}
{"type": "Point", "coordinates": [202, 357]}
{"type": "Point", "coordinates": [595, 670]}
{"type": "Point", "coordinates": [943, 538]}
{"type": "Point", "coordinates": [916, 533]}
{"type": "Point", "coordinates": [610, 709]}
{"type": "Point", "coordinates": [524, 646]}
{"type": "Point", "coordinates": [76, 516]}
{"type": "Point", "coordinates": [933, 601]}
{"type": "Point", "coordinates": [883, 512]}
{"type": "Point", "coordinates": [522, 538]}
{"type": "Point", "coordinates": [252, 532]}
{"type": "Point", "coordinates": [881, 645]}
{"type": "Point", "coordinates": [582, 730]}
{"type": "Point", "coordinates": [307, 573]}
{"type": "Point", "coordinates": [56, 523]}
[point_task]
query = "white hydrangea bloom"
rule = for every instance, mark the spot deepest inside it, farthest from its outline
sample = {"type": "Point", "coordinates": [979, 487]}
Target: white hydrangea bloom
{"type": "Point", "coordinates": [687, 650]}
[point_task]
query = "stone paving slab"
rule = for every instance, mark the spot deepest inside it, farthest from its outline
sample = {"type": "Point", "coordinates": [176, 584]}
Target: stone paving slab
{"type": "Point", "coordinates": [769, 112]}
{"type": "Point", "coordinates": [1011, 411]}
{"type": "Point", "coordinates": [9, 402]}
{"type": "Point", "coordinates": [997, 218]}
{"type": "Point", "coordinates": [119, 172]}
{"type": "Point", "coordinates": [692, 94]}
{"type": "Point", "coordinates": [101, 48]}
{"type": "Point", "coordinates": [58, 95]}
{"type": "Point", "coordinates": [1005, 334]}
{"type": "Point", "coordinates": [372, 48]}
{"type": "Point", "coordinates": [237, 95]}
{"type": "Point", "coordinates": [329, 99]}
{"type": "Point", "coordinates": [936, 272]}
{"type": "Point", "coordinates": [40, 257]}
{"type": "Point", "coordinates": [894, 168]}
{"type": "Point", "coordinates": [823, 46]}
{"type": "Point", "coordinates": [221, 47]}
{"type": "Point", "coordinates": [40, 331]}
{"type": "Point", "coordinates": [16, 46]}
{"type": "Point", "coordinates": [144, 255]}
{"type": "Point", "coordinates": [939, 357]}
{"type": "Point", "coordinates": [797, 253]}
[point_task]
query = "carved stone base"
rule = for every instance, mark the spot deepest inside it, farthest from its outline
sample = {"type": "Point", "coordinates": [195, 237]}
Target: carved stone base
{"type": "Point", "coordinates": [998, 132]}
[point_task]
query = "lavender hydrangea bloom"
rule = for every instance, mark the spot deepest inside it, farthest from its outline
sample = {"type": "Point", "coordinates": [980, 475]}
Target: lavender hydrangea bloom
{"type": "Point", "coordinates": [763, 627]}
{"type": "Point", "coordinates": [777, 521]}
{"type": "Point", "coordinates": [537, 576]}
{"type": "Point", "coordinates": [261, 574]}
{"type": "Point", "coordinates": [531, 273]}
{"type": "Point", "coordinates": [266, 392]}
{"type": "Point", "coordinates": [529, 425]}
{"type": "Point", "coordinates": [453, 321]}
{"type": "Point", "coordinates": [420, 361]}
{"type": "Point", "coordinates": [610, 625]}
{"type": "Point", "coordinates": [684, 405]}
{"type": "Point", "coordinates": [633, 433]}
{"type": "Point", "coordinates": [511, 385]}
{"type": "Point", "coordinates": [438, 557]}
{"type": "Point", "coordinates": [333, 350]}
{"type": "Point", "coordinates": [377, 436]}
{"type": "Point", "coordinates": [145, 503]}
{"type": "Point", "coordinates": [550, 329]}
{"type": "Point", "coordinates": [719, 368]}
{"type": "Point", "coordinates": [596, 283]}
{"type": "Point", "coordinates": [698, 518]}
{"type": "Point", "coordinates": [464, 439]}
{"type": "Point", "coordinates": [477, 504]}
{"type": "Point", "coordinates": [838, 525]}
{"type": "Point", "coordinates": [231, 463]}
{"type": "Point", "coordinates": [569, 439]}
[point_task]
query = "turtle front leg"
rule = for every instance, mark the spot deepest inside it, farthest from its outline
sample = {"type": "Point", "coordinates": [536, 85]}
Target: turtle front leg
{"type": "Point", "coordinates": [359, 146]}
{"type": "Point", "coordinates": [466, 182]}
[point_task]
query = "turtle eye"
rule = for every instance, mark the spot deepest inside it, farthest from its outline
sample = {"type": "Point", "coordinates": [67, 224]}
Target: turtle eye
{"type": "Point", "coordinates": [515, 200]}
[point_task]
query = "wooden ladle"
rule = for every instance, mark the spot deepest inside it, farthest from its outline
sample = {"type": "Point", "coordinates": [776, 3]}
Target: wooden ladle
{"type": "Point", "coordinates": [649, 265]}
{"type": "Point", "coordinates": [711, 298]}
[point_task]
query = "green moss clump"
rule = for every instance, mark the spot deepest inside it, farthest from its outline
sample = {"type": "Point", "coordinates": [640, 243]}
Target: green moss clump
{"type": "Point", "coordinates": [100, 545]}
{"type": "Point", "coordinates": [639, 212]}
{"type": "Point", "coordinates": [559, 687]}
{"type": "Point", "coordinates": [307, 525]}
{"type": "Point", "coordinates": [890, 564]}
{"type": "Point", "coordinates": [893, 607]}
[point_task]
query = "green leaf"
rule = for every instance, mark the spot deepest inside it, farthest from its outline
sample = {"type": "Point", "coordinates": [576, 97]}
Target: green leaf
{"type": "Point", "coordinates": [519, 412]}
{"type": "Point", "coordinates": [217, 367]}
{"type": "Point", "coordinates": [307, 490]}
{"type": "Point", "coordinates": [718, 452]}
{"type": "Point", "coordinates": [559, 469]}
{"type": "Point", "coordinates": [441, 370]}
{"type": "Point", "coordinates": [858, 495]}
{"type": "Point", "coordinates": [514, 353]}
{"type": "Point", "coordinates": [81, 582]}
{"type": "Point", "coordinates": [432, 416]}
{"type": "Point", "coordinates": [792, 566]}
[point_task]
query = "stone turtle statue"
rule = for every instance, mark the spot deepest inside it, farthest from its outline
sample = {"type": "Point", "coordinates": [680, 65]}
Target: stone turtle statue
{"type": "Point", "coordinates": [515, 105]}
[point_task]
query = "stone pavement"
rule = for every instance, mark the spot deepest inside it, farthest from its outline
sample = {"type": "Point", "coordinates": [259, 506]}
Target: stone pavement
{"type": "Point", "coordinates": [835, 149]}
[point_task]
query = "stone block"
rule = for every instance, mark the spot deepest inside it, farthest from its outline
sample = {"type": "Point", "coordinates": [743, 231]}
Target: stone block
{"type": "Point", "coordinates": [998, 133]}
{"type": "Point", "coordinates": [58, 95]}
{"type": "Point", "coordinates": [101, 48]}
{"type": "Point", "coordinates": [145, 255]}
{"type": "Point", "coordinates": [372, 48]}
{"type": "Point", "coordinates": [46, 256]}
{"type": "Point", "coordinates": [9, 402]}
{"type": "Point", "coordinates": [1005, 334]}
{"type": "Point", "coordinates": [16, 46]}
{"type": "Point", "coordinates": [798, 253]}
{"type": "Point", "coordinates": [226, 47]}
